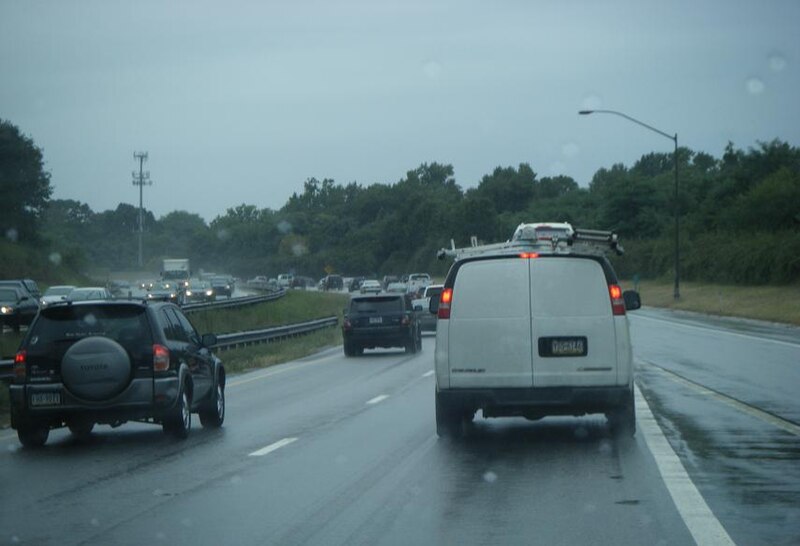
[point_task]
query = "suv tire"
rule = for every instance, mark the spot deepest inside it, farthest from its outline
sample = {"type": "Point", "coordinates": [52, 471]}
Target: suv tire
{"type": "Point", "coordinates": [33, 435]}
{"type": "Point", "coordinates": [178, 422]}
{"type": "Point", "coordinates": [411, 344]}
{"type": "Point", "coordinates": [623, 419]}
{"type": "Point", "coordinates": [348, 348]}
{"type": "Point", "coordinates": [213, 414]}
{"type": "Point", "coordinates": [448, 421]}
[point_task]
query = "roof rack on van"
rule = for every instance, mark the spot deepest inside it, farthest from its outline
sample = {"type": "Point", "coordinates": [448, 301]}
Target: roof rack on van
{"type": "Point", "coordinates": [554, 237]}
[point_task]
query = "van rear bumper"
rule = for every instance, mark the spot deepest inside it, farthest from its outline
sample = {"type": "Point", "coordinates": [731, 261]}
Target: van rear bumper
{"type": "Point", "coordinates": [536, 402]}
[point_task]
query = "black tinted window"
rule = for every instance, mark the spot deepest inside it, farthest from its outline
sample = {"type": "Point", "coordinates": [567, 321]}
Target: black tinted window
{"type": "Point", "coordinates": [186, 326]}
{"type": "Point", "coordinates": [6, 294]}
{"type": "Point", "coordinates": [377, 305]}
{"type": "Point", "coordinates": [175, 330]}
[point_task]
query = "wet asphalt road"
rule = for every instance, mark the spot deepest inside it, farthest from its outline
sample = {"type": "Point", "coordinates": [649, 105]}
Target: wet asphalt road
{"type": "Point", "coordinates": [331, 450]}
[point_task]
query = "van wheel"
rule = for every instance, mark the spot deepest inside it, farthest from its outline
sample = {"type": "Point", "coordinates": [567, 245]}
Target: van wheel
{"type": "Point", "coordinates": [448, 421]}
{"type": "Point", "coordinates": [32, 435]}
{"type": "Point", "coordinates": [623, 419]}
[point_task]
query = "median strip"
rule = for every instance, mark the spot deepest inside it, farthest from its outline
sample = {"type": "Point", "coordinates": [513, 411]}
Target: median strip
{"type": "Point", "coordinates": [273, 447]}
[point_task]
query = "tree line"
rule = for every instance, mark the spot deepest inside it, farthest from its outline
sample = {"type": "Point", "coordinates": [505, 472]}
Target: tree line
{"type": "Point", "coordinates": [739, 217]}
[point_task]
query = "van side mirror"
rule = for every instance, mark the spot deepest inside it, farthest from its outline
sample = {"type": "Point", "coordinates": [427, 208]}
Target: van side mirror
{"type": "Point", "coordinates": [208, 340]}
{"type": "Point", "coordinates": [433, 306]}
{"type": "Point", "coordinates": [632, 300]}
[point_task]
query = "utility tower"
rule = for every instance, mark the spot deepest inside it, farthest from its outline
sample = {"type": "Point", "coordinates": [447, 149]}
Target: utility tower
{"type": "Point", "coordinates": [141, 179]}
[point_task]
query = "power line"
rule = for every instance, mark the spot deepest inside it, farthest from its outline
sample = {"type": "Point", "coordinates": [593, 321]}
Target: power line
{"type": "Point", "coordinates": [141, 179]}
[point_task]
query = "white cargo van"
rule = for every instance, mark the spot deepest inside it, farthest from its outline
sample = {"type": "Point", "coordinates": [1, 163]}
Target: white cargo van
{"type": "Point", "coordinates": [533, 334]}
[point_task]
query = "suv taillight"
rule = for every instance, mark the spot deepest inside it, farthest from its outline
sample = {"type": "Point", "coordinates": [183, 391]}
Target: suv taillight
{"type": "Point", "coordinates": [160, 358]}
{"type": "Point", "coordinates": [444, 303]}
{"type": "Point", "coordinates": [405, 321]}
{"type": "Point", "coordinates": [347, 324]}
{"type": "Point", "coordinates": [617, 301]}
{"type": "Point", "coordinates": [19, 364]}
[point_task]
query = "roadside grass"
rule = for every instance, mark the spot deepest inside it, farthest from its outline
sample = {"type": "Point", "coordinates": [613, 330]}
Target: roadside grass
{"type": "Point", "coordinates": [269, 354]}
{"type": "Point", "coordinates": [295, 306]}
{"type": "Point", "coordinates": [770, 303]}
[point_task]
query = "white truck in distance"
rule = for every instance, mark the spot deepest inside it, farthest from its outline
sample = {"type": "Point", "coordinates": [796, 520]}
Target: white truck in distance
{"type": "Point", "coordinates": [176, 269]}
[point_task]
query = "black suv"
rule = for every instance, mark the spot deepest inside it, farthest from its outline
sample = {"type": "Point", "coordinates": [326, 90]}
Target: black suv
{"type": "Point", "coordinates": [386, 320]}
{"type": "Point", "coordinates": [17, 307]}
{"type": "Point", "coordinates": [109, 362]}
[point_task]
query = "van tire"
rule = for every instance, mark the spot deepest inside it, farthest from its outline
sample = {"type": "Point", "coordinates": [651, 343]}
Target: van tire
{"type": "Point", "coordinates": [623, 419]}
{"type": "Point", "coordinates": [448, 421]}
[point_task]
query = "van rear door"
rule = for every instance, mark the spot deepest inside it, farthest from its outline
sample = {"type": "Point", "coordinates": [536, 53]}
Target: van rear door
{"type": "Point", "coordinates": [489, 341]}
{"type": "Point", "coordinates": [574, 339]}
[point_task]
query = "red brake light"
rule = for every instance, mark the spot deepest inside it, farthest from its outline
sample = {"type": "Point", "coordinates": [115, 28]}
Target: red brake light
{"type": "Point", "coordinates": [529, 255]}
{"type": "Point", "coordinates": [444, 303]}
{"type": "Point", "coordinates": [617, 301]}
{"type": "Point", "coordinates": [19, 364]}
{"type": "Point", "coordinates": [347, 324]}
{"type": "Point", "coordinates": [160, 358]}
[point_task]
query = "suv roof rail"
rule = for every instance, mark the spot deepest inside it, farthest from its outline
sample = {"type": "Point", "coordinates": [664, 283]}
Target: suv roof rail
{"type": "Point", "coordinates": [551, 237]}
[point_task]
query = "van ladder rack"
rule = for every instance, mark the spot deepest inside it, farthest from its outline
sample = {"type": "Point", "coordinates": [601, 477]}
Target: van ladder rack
{"type": "Point", "coordinates": [557, 238]}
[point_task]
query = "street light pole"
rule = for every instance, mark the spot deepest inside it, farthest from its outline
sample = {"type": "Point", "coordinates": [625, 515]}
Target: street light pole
{"type": "Point", "coordinates": [676, 292]}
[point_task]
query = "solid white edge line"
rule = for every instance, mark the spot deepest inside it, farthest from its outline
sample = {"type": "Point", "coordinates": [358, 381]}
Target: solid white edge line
{"type": "Point", "coordinates": [379, 398]}
{"type": "Point", "coordinates": [272, 447]}
{"type": "Point", "coordinates": [428, 373]}
{"type": "Point", "coordinates": [720, 331]}
{"type": "Point", "coordinates": [698, 517]}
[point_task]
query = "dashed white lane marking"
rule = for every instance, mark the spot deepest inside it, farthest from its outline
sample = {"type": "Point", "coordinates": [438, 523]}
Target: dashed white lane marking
{"type": "Point", "coordinates": [238, 382]}
{"type": "Point", "coordinates": [272, 447]}
{"type": "Point", "coordinates": [698, 517]}
{"type": "Point", "coordinates": [428, 373]}
{"type": "Point", "coordinates": [720, 331]}
{"type": "Point", "coordinates": [379, 398]}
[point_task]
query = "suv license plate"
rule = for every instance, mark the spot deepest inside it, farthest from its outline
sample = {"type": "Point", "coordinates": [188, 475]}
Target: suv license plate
{"type": "Point", "coordinates": [46, 399]}
{"type": "Point", "coordinates": [376, 320]}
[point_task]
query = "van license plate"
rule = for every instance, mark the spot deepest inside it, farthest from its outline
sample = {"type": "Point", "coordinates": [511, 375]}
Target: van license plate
{"type": "Point", "coordinates": [376, 320]}
{"type": "Point", "coordinates": [563, 346]}
{"type": "Point", "coordinates": [46, 399]}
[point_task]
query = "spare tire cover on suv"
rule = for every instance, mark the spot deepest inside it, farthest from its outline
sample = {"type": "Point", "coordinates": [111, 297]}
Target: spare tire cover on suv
{"type": "Point", "coordinates": [96, 368]}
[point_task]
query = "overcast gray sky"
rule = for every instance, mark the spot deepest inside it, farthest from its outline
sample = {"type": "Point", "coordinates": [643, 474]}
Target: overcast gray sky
{"type": "Point", "coordinates": [240, 102]}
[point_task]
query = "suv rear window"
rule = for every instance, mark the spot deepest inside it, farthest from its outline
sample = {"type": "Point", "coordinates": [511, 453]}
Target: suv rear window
{"type": "Point", "coordinates": [65, 324]}
{"type": "Point", "coordinates": [379, 306]}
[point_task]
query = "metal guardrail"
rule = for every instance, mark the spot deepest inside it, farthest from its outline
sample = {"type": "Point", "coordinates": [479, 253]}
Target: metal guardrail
{"type": "Point", "coordinates": [267, 335]}
{"type": "Point", "coordinates": [233, 302]}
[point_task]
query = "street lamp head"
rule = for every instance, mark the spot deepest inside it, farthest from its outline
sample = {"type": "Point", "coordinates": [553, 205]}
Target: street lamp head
{"type": "Point", "coordinates": [585, 112]}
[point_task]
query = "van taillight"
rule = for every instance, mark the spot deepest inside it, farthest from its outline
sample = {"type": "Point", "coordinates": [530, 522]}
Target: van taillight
{"type": "Point", "coordinates": [444, 303]}
{"type": "Point", "coordinates": [617, 301]}
{"type": "Point", "coordinates": [160, 358]}
{"type": "Point", "coordinates": [19, 364]}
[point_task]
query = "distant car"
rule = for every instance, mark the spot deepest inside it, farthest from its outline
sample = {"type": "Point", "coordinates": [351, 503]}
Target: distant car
{"type": "Point", "coordinates": [118, 288]}
{"type": "Point", "coordinates": [370, 286]}
{"type": "Point", "coordinates": [355, 284]}
{"type": "Point", "coordinates": [397, 288]}
{"type": "Point", "coordinates": [385, 320]}
{"type": "Point", "coordinates": [56, 293]}
{"type": "Point", "coordinates": [285, 280]}
{"type": "Point", "coordinates": [427, 319]}
{"type": "Point", "coordinates": [332, 282]}
{"type": "Point", "coordinates": [388, 279]}
{"type": "Point", "coordinates": [27, 286]}
{"type": "Point", "coordinates": [417, 281]}
{"type": "Point", "coordinates": [164, 291]}
{"type": "Point", "coordinates": [90, 293]}
{"type": "Point", "coordinates": [222, 286]}
{"type": "Point", "coordinates": [199, 292]}
{"type": "Point", "coordinates": [110, 362]}
{"type": "Point", "coordinates": [17, 308]}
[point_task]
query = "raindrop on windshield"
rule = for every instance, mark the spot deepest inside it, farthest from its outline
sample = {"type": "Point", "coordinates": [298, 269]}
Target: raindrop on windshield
{"type": "Point", "coordinates": [12, 235]}
{"type": "Point", "coordinates": [95, 522]}
{"type": "Point", "coordinates": [284, 227]}
{"type": "Point", "coordinates": [236, 480]}
{"type": "Point", "coordinates": [490, 477]}
{"type": "Point", "coordinates": [55, 258]}
{"type": "Point", "coordinates": [90, 319]}
{"type": "Point", "coordinates": [755, 86]}
{"type": "Point", "coordinates": [432, 70]}
{"type": "Point", "coordinates": [570, 149]}
{"type": "Point", "coordinates": [777, 63]}
{"type": "Point", "coordinates": [15, 539]}
{"type": "Point", "coordinates": [299, 249]}
{"type": "Point", "coordinates": [223, 234]}
{"type": "Point", "coordinates": [557, 167]}
{"type": "Point", "coordinates": [591, 102]}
